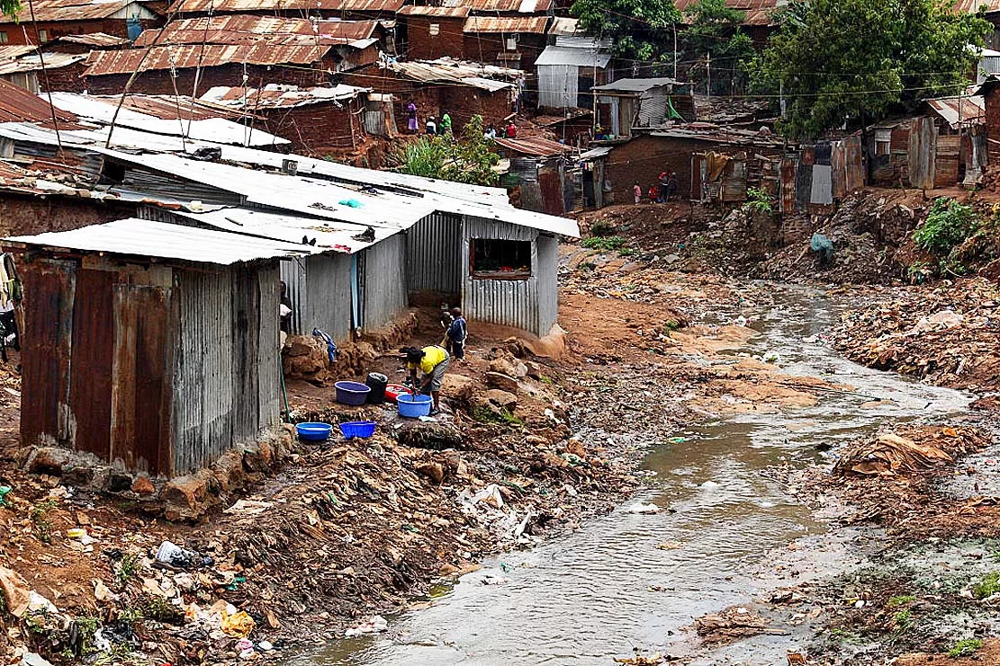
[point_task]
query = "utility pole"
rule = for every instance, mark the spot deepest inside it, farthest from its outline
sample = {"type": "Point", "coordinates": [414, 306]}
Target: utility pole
{"type": "Point", "coordinates": [675, 51]}
{"type": "Point", "coordinates": [708, 68]}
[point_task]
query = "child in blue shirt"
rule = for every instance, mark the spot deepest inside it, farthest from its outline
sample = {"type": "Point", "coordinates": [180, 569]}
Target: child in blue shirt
{"type": "Point", "coordinates": [457, 333]}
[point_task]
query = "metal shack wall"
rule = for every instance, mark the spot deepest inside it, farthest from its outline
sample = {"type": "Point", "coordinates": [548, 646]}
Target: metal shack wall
{"type": "Point", "coordinates": [320, 290]}
{"type": "Point", "coordinates": [506, 302]}
{"type": "Point", "coordinates": [548, 285]}
{"type": "Point", "coordinates": [225, 381]}
{"type": "Point", "coordinates": [558, 86]}
{"type": "Point", "coordinates": [434, 254]}
{"type": "Point", "coordinates": [385, 293]}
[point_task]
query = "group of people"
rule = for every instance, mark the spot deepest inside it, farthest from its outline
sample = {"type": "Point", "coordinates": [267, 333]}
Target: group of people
{"type": "Point", "coordinates": [443, 127]}
{"type": "Point", "coordinates": [664, 190]}
{"type": "Point", "coordinates": [509, 132]}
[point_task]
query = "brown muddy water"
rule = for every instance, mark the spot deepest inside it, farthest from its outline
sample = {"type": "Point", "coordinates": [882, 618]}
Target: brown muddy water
{"type": "Point", "coordinates": [586, 597]}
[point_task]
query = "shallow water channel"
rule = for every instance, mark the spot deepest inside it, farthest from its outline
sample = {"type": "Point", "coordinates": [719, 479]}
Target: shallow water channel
{"type": "Point", "coordinates": [584, 598]}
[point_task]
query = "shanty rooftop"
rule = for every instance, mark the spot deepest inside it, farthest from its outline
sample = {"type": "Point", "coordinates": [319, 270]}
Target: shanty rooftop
{"type": "Point", "coordinates": [278, 96]}
{"type": "Point", "coordinates": [535, 146]}
{"type": "Point", "coordinates": [960, 111]}
{"type": "Point", "coordinates": [247, 29]}
{"type": "Point", "coordinates": [519, 6]}
{"type": "Point", "coordinates": [629, 86]}
{"type": "Point", "coordinates": [231, 6]}
{"type": "Point", "coordinates": [189, 56]}
{"type": "Point", "coordinates": [161, 240]}
{"type": "Point", "coordinates": [447, 70]}
{"type": "Point", "coordinates": [506, 24]}
{"type": "Point", "coordinates": [94, 39]}
{"type": "Point", "coordinates": [758, 12]}
{"type": "Point", "coordinates": [438, 12]}
{"type": "Point", "coordinates": [32, 62]}
{"type": "Point", "coordinates": [49, 11]}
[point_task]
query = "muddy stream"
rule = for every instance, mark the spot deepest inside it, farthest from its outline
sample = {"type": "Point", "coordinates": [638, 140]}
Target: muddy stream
{"type": "Point", "coordinates": [723, 531]}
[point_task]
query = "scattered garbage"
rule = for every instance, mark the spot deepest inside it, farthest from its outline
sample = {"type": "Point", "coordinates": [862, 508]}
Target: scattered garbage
{"type": "Point", "coordinates": [237, 625]}
{"type": "Point", "coordinates": [4, 491]}
{"type": "Point", "coordinates": [641, 508]}
{"type": "Point", "coordinates": [173, 555]}
{"type": "Point", "coordinates": [374, 625]}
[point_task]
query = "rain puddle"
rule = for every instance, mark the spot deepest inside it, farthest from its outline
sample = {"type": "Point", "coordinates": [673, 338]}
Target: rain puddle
{"type": "Point", "coordinates": [630, 580]}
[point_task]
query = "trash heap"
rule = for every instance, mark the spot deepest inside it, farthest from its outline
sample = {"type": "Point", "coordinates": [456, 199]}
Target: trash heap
{"type": "Point", "coordinates": [946, 334]}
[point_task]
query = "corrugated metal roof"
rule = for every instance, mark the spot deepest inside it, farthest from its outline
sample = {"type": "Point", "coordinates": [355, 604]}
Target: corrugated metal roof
{"type": "Point", "coordinates": [169, 107]}
{"type": "Point", "coordinates": [637, 85]}
{"type": "Point", "coordinates": [564, 25]}
{"type": "Point", "coordinates": [595, 153]}
{"type": "Point", "coordinates": [561, 55]}
{"type": "Point", "coordinates": [439, 12]}
{"type": "Point", "coordinates": [225, 6]}
{"type": "Point", "coordinates": [96, 39]}
{"type": "Point", "coordinates": [244, 29]}
{"type": "Point", "coordinates": [145, 238]}
{"type": "Point", "coordinates": [717, 134]}
{"type": "Point", "coordinates": [758, 12]}
{"type": "Point", "coordinates": [973, 6]}
{"type": "Point", "coordinates": [13, 51]}
{"type": "Point", "coordinates": [78, 10]}
{"type": "Point", "coordinates": [33, 62]}
{"type": "Point", "coordinates": [278, 96]}
{"type": "Point", "coordinates": [536, 146]}
{"type": "Point", "coordinates": [189, 56]}
{"type": "Point", "coordinates": [506, 24]}
{"type": "Point", "coordinates": [960, 111]}
{"type": "Point", "coordinates": [212, 129]}
{"type": "Point", "coordinates": [519, 6]}
{"type": "Point", "coordinates": [447, 70]}
{"type": "Point", "coordinates": [20, 105]}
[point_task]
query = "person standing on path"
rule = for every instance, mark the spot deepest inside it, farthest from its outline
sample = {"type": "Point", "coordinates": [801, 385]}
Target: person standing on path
{"type": "Point", "coordinates": [431, 127]}
{"type": "Point", "coordinates": [411, 113]}
{"type": "Point", "coordinates": [637, 192]}
{"type": "Point", "coordinates": [432, 361]}
{"type": "Point", "coordinates": [456, 335]}
{"type": "Point", "coordinates": [445, 126]}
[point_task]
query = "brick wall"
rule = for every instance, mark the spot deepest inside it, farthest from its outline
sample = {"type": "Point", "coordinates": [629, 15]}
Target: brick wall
{"type": "Point", "coordinates": [159, 82]}
{"type": "Point", "coordinates": [16, 32]}
{"type": "Point", "coordinates": [993, 126]}
{"type": "Point", "coordinates": [485, 47]}
{"type": "Point", "coordinates": [318, 129]}
{"type": "Point", "coordinates": [421, 45]}
{"type": "Point", "coordinates": [64, 79]}
{"type": "Point", "coordinates": [22, 214]}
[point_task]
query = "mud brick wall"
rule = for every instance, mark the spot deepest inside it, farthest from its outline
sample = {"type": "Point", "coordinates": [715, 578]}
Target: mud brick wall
{"type": "Point", "coordinates": [421, 45]}
{"type": "Point", "coordinates": [318, 128]}
{"type": "Point", "coordinates": [643, 159]}
{"type": "Point", "coordinates": [24, 214]}
{"type": "Point", "coordinates": [485, 47]}
{"type": "Point", "coordinates": [993, 128]}
{"type": "Point", "coordinates": [25, 33]}
{"type": "Point", "coordinates": [159, 82]}
{"type": "Point", "coordinates": [64, 79]}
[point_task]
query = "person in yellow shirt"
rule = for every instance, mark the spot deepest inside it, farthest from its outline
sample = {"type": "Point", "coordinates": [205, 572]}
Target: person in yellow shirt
{"type": "Point", "coordinates": [432, 361]}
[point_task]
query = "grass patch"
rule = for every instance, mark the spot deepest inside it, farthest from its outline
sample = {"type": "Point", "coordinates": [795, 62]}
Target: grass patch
{"type": "Point", "coordinates": [965, 648]}
{"type": "Point", "coordinates": [587, 266]}
{"type": "Point", "coordinates": [987, 586]}
{"type": "Point", "coordinates": [903, 619]}
{"type": "Point", "coordinates": [606, 243]}
{"type": "Point", "coordinates": [901, 600]}
{"type": "Point", "coordinates": [42, 521]}
{"type": "Point", "coordinates": [602, 228]}
{"type": "Point", "coordinates": [484, 414]}
{"type": "Point", "coordinates": [627, 252]}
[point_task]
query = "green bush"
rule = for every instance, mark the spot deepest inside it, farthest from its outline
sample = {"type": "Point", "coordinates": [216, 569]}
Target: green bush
{"type": "Point", "coordinates": [599, 243]}
{"type": "Point", "coordinates": [602, 228]}
{"type": "Point", "coordinates": [758, 201]}
{"type": "Point", "coordinates": [947, 225]}
{"type": "Point", "coordinates": [965, 648]}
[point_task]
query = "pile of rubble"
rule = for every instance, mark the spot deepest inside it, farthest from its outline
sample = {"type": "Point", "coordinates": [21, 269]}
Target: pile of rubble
{"type": "Point", "coordinates": [946, 334]}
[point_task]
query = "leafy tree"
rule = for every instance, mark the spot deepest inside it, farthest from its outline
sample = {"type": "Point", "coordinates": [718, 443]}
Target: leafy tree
{"type": "Point", "coordinates": [713, 28]}
{"type": "Point", "coordinates": [638, 28]}
{"type": "Point", "coordinates": [10, 7]}
{"type": "Point", "coordinates": [469, 160]}
{"type": "Point", "coordinates": [840, 61]}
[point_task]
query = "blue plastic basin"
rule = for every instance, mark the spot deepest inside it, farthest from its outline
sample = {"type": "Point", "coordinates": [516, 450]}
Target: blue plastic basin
{"type": "Point", "coordinates": [314, 432]}
{"type": "Point", "coordinates": [360, 429]}
{"type": "Point", "coordinates": [352, 393]}
{"type": "Point", "coordinates": [413, 406]}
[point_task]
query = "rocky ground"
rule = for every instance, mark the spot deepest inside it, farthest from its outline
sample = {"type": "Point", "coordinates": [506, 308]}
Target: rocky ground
{"type": "Point", "coordinates": [326, 540]}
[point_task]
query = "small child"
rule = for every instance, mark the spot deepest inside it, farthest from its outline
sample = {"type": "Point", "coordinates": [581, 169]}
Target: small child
{"type": "Point", "coordinates": [652, 194]}
{"type": "Point", "coordinates": [637, 191]}
{"type": "Point", "coordinates": [457, 333]}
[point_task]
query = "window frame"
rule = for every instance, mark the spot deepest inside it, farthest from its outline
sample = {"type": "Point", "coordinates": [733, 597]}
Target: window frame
{"type": "Point", "coordinates": [498, 275]}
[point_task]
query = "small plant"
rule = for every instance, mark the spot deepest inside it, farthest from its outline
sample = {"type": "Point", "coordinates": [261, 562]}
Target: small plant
{"type": "Point", "coordinates": [947, 225]}
{"type": "Point", "coordinates": [627, 252]}
{"type": "Point", "coordinates": [903, 619]}
{"type": "Point", "coordinates": [965, 648]}
{"type": "Point", "coordinates": [587, 266]}
{"type": "Point", "coordinates": [901, 600]}
{"type": "Point", "coordinates": [86, 629]}
{"type": "Point", "coordinates": [42, 521]}
{"type": "Point", "coordinates": [987, 586]}
{"type": "Point", "coordinates": [919, 272]}
{"type": "Point", "coordinates": [607, 243]}
{"type": "Point", "coordinates": [127, 569]}
{"type": "Point", "coordinates": [484, 414]}
{"type": "Point", "coordinates": [758, 201]}
{"type": "Point", "coordinates": [159, 609]}
{"type": "Point", "coordinates": [602, 228]}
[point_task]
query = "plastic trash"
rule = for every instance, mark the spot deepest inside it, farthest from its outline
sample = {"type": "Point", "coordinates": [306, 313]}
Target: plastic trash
{"type": "Point", "coordinates": [639, 507]}
{"type": "Point", "coordinates": [238, 625]}
{"type": "Point", "coordinates": [181, 558]}
{"type": "Point", "coordinates": [4, 491]}
{"type": "Point", "coordinates": [33, 659]}
{"type": "Point", "coordinates": [375, 624]}
{"type": "Point", "coordinates": [351, 203]}
{"type": "Point", "coordinates": [677, 440]}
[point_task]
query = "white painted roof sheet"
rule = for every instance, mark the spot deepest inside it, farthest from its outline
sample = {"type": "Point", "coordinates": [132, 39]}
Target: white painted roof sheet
{"type": "Point", "coordinates": [214, 130]}
{"type": "Point", "coordinates": [561, 55]}
{"type": "Point", "coordinates": [145, 238]}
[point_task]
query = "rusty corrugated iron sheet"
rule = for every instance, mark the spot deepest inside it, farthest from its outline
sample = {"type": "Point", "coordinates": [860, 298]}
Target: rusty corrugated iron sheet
{"type": "Point", "coordinates": [535, 146]}
{"type": "Point", "coordinates": [169, 107]}
{"type": "Point", "coordinates": [921, 152]}
{"type": "Point", "coordinates": [960, 111]}
{"type": "Point", "coordinates": [973, 6]}
{"type": "Point", "coordinates": [757, 12]}
{"type": "Point", "coordinates": [519, 6]}
{"type": "Point", "coordinates": [92, 381]}
{"type": "Point", "coordinates": [277, 96]}
{"type": "Point", "coordinates": [437, 12]}
{"type": "Point", "coordinates": [243, 29]}
{"type": "Point", "coordinates": [20, 105]}
{"type": "Point", "coordinates": [186, 56]}
{"type": "Point", "coordinates": [76, 10]}
{"type": "Point", "coordinates": [946, 160]}
{"type": "Point", "coordinates": [506, 24]}
{"type": "Point", "coordinates": [227, 6]}
{"type": "Point", "coordinates": [10, 52]}
{"type": "Point", "coordinates": [32, 62]}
